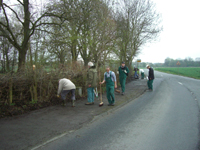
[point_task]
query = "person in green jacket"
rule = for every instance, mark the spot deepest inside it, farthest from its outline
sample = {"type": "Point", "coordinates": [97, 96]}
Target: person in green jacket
{"type": "Point", "coordinates": [91, 83]}
{"type": "Point", "coordinates": [123, 73]}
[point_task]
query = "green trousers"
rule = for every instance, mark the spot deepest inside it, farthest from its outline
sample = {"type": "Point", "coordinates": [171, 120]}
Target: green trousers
{"type": "Point", "coordinates": [122, 83]}
{"type": "Point", "coordinates": [90, 95]}
{"type": "Point", "coordinates": [150, 84]}
{"type": "Point", "coordinates": [110, 94]}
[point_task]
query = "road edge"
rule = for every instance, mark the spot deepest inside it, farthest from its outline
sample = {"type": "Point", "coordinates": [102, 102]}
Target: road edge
{"type": "Point", "coordinates": [95, 118]}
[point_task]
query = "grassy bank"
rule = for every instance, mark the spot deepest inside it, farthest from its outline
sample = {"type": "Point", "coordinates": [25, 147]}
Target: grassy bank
{"type": "Point", "coordinates": [193, 72]}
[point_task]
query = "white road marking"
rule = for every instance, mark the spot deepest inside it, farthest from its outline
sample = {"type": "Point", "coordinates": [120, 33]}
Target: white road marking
{"type": "Point", "coordinates": [180, 83]}
{"type": "Point", "coordinates": [51, 140]}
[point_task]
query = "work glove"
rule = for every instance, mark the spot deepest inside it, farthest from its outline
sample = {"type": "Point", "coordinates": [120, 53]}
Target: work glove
{"type": "Point", "coordinates": [58, 96]}
{"type": "Point", "coordinates": [125, 71]}
{"type": "Point", "coordinates": [117, 72]}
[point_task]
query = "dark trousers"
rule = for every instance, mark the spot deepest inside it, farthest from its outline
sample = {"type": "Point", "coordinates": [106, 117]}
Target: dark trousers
{"type": "Point", "coordinates": [122, 83]}
{"type": "Point", "coordinates": [150, 84]}
{"type": "Point", "coordinates": [65, 92]}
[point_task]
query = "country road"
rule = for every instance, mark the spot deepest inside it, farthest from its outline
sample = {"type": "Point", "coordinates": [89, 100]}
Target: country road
{"type": "Point", "coordinates": [165, 119]}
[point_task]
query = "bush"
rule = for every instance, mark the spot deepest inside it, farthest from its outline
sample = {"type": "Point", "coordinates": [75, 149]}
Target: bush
{"type": "Point", "coordinates": [38, 88]}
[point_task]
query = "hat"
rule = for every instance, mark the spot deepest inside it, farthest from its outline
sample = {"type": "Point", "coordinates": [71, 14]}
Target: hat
{"type": "Point", "coordinates": [147, 66]}
{"type": "Point", "coordinates": [123, 62]}
{"type": "Point", "coordinates": [90, 64]}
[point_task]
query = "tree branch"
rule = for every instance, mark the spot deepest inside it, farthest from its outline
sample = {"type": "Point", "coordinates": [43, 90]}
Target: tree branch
{"type": "Point", "coordinates": [45, 31]}
{"type": "Point", "coordinates": [5, 15]}
{"type": "Point", "coordinates": [14, 13]}
{"type": "Point", "coordinates": [20, 2]}
{"type": "Point", "coordinates": [46, 15]}
{"type": "Point", "coordinates": [46, 24]}
{"type": "Point", "coordinates": [8, 29]}
{"type": "Point", "coordinates": [3, 25]}
{"type": "Point", "coordinates": [13, 42]}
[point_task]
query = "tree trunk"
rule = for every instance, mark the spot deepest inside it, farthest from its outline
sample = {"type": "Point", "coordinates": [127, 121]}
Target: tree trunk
{"type": "Point", "coordinates": [62, 58]}
{"type": "Point", "coordinates": [13, 61]}
{"type": "Point", "coordinates": [24, 47]}
{"type": "Point", "coordinates": [22, 59]}
{"type": "Point", "coordinates": [3, 63]}
{"type": "Point", "coordinates": [74, 51]}
{"type": "Point", "coordinates": [36, 52]}
{"type": "Point", "coordinates": [30, 53]}
{"type": "Point", "coordinates": [7, 63]}
{"type": "Point", "coordinates": [10, 91]}
{"type": "Point", "coordinates": [85, 62]}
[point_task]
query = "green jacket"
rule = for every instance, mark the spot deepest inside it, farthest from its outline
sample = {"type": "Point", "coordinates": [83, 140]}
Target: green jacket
{"type": "Point", "coordinates": [122, 74]}
{"type": "Point", "coordinates": [92, 77]}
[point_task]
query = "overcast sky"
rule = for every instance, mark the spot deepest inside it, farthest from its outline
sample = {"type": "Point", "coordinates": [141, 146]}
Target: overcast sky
{"type": "Point", "coordinates": [180, 37]}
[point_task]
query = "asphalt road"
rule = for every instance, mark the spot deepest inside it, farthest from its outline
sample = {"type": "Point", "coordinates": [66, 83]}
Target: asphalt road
{"type": "Point", "coordinates": [165, 119]}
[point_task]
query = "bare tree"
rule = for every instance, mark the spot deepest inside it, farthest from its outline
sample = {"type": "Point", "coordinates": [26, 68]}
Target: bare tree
{"type": "Point", "coordinates": [28, 24]}
{"type": "Point", "coordinates": [97, 31]}
{"type": "Point", "coordinates": [137, 24]}
{"type": "Point", "coordinates": [67, 34]}
{"type": "Point", "coordinates": [58, 45]}
{"type": "Point", "coordinates": [90, 31]}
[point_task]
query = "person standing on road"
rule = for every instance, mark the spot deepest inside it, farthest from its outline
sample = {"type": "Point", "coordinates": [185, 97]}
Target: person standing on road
{"type": "Point", "coordinates": [123, 73]}
{"type": "Point", "coordinates": [91, 83]}
{"type": "Point", "coordinates": [135, 74]}
{"type": "Point", "coordinates": [111, 84]}
{"type": "Point", "coordinates": [65, 86]}
{"type": "Point", "coordinates": [150, 78]}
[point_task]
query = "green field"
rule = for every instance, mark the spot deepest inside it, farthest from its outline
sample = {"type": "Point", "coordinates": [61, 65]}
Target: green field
{"type": "Point", "coordinates": [192, 72]}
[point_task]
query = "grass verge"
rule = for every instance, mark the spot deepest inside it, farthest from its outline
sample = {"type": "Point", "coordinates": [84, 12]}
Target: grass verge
{"type": "Point", "coordinates": [193, 72]}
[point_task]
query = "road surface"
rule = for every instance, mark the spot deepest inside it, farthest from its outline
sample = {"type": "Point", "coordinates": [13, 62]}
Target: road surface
{"type": "Point", "coordinates": [165, 119]}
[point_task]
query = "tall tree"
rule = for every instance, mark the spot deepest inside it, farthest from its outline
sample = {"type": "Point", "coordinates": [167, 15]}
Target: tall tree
{"type": "Point", "coordinates": [137, 24]}
{"type": "Point", "coordinates": [5, 50]}
{"type": "Point", "coordinates": [68, 34]}
{"type": "Point", "coordinates": [97, 31]}
{"type": "Point", "coordinates": [28, 24]}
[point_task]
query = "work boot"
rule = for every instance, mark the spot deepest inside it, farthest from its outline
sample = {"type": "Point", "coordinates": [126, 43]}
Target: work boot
{"type": "Point", "coordinates": [149, 90]}
{"type": "Point", "coordinates": [112, 104]}
{"type": "Point", "coordinates": [64, 103]}
{"type": "Point", "coordinates": [122, 93]}
{"type": "Point", "coordinates": [73, 103]}
{"type": "Point", "coordinates": [109, 104]}
{"type": "Point", "coordinates": [89, 103]}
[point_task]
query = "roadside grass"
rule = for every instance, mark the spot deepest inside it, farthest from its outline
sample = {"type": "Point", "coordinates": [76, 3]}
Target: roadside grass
{"type": "Point", "coordinates": [193, 72]}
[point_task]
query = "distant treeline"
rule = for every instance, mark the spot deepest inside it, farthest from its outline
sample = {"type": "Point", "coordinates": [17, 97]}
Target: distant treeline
{"type": "Point", "coordinates": [187, 62]}
{"type": "Point", "coordinates": [169, 62]}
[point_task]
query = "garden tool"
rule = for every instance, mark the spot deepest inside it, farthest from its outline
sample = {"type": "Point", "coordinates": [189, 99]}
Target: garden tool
{"type": "Point", "coordinates": [100, 104]}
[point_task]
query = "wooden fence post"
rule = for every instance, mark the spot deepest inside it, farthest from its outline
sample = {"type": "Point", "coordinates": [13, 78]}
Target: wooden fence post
{"type": "Point", "coordinates": [10, 91]}
{"type": "Point", "coordinates": [34, 84]}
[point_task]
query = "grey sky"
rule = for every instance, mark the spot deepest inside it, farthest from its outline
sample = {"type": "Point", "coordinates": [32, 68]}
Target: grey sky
{"type": "Point", "coordinates": [180, 35]}
{"type": "Point", "coordinates": [181, 31]}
